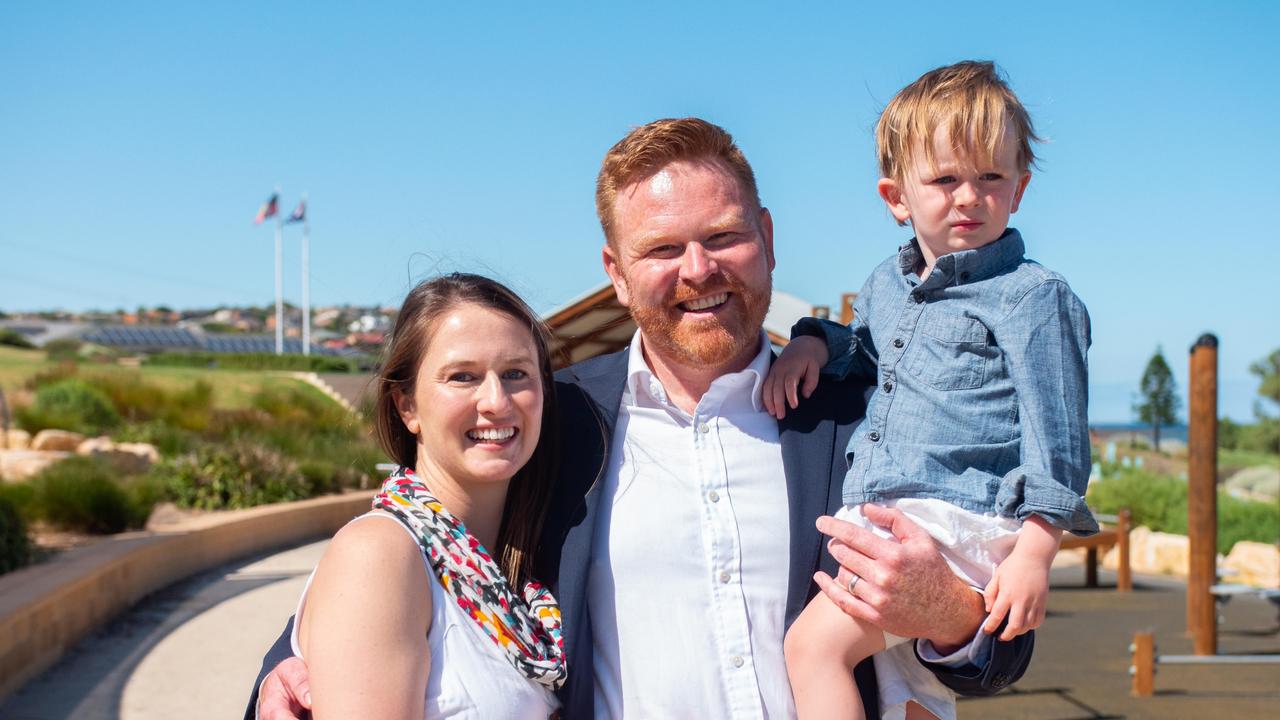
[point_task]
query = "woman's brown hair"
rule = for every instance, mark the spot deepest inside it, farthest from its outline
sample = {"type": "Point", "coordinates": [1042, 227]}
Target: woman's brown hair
{"type": "Point", "coordinates": [530, 488]}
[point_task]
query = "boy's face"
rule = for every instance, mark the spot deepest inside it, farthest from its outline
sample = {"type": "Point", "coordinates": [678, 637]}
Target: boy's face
{"type": "Point", "coordinates": [960, 202]}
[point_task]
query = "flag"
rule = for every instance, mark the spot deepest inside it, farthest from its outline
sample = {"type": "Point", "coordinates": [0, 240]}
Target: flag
{"type": "Point", "coordinates": [299, 213]}
{"type": "Point", "coordinates": [268, 209]}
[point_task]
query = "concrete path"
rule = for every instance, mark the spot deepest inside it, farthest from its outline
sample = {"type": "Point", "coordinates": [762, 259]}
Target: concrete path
{"type": "Point", "coordinates": [191, 651]}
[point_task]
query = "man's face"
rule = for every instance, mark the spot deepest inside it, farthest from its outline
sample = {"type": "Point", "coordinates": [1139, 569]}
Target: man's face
{"type": "Point", "coordinates": [691, 259]}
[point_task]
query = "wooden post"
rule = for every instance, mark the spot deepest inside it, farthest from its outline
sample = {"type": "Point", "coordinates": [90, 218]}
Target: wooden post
{"type": "Point", "coordinates": [846, 307]}
{"type": "Point", "coordinates": [1144, 664]}
{"type": "Point", "coordinates": [1202, 495]}
{"type": "Point", "coordinates": [1091, 566]}
{"type": "Point", "coordinates": [1124, 576]}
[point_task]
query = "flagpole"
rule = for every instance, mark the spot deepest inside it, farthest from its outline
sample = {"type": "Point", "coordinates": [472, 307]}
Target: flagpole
{"type": "Point", "coordinates": [279, 286]}
{"type": "Point", "coordinates": [306, 278]}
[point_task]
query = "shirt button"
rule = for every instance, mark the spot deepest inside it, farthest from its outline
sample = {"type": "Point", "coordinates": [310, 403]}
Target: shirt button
{"type": "Point", "coordinates": [873, 436]}
{"type": "Point", "coordinates": [724, 576]}
{"type": "Point", "coordinates": [897, 342]}
{"type": "Point", "coordinates": [713, 496]}
{"type": "Point", "coordinates": [888, 386]}
{"type": "Point", "coordinates": [737, 660]}
{"type": "Point", "coordinates": [703, 428]}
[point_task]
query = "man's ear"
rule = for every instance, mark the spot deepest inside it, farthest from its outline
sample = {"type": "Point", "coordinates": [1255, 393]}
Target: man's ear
{"type": "Point", "coordinates": [766, 234]}
{"type": "Point", "coordinates": [613, 267]}
{"type": "Point", "coordinates": [408, 413]}
{"type": "Point", "coordinates": [891, 193]}
{"type": "Point", "coordinates": [1017, 195]}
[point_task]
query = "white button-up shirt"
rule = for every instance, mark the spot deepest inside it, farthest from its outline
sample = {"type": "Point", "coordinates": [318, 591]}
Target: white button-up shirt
{"type": "Point", "coordinates": [688, 580]}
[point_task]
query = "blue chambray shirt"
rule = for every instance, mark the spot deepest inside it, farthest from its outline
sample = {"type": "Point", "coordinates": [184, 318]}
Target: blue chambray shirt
{"type": "Point", "coordinates": [982, 391]}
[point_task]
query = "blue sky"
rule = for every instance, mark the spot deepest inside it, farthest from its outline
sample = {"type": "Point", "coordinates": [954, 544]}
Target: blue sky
{"type": "Point", "coordinates": [140, 138]}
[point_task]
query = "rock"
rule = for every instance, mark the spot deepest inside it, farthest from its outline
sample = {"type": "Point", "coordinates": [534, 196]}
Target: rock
{"type": "Point", "coordinates": [17, 440]}
{"type": "Point", "coordinates": [1260, 483]}
{"type": "Point", "coordinates": [16, 465]}
{"type": "Point", "coordinates": [129, 458]}
{"type": "Point", "coordinates": [1254, 563]}
{"type": "Point", "coordinates": [58, 440]}
{"type": "Point", "coordinates": [1153, 552]}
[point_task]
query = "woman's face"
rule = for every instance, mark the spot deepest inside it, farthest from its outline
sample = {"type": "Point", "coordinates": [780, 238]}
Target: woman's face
{"type": "Point", "coordinates": [476, 405]}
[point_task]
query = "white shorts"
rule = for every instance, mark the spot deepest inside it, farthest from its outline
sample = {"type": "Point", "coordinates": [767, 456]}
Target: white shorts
{"type": "Point", "coordinates": [973, 545]}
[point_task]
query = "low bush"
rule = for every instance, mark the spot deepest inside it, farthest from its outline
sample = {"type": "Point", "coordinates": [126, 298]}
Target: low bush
{"type": "Point", "coordinates": [137, 400]}
{"type": "Point", "coordinates": [89, 495]}
{"type": "Point", "coordinates": [256, 361]}
{"type": "Point", "coordinates": [15, 546]}
{"type": "Point", "coordinates": [13, 338]}
{"type": "Point", "coordinates": [236, 475]}
{"type": "Point", "coordinates": [70, 404]}
{"type": "Point", "coordinates": [1160, 503]}
{"type": "Point", "coordinates": [166, 438]}
{"type": "Point", "coordinates": [63, 349]}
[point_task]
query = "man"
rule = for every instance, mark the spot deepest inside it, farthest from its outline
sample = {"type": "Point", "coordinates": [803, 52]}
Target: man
{"type": "Point", "coordinates": [682, 540]}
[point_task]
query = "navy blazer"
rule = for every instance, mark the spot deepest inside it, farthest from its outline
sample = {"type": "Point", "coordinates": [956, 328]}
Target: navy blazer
{"type": "Point", "coordinates": [813, 439]}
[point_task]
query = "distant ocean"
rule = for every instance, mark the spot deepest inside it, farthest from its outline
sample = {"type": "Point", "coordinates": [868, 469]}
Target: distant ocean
{"type": "Point", "coordinates": [1167, 432]}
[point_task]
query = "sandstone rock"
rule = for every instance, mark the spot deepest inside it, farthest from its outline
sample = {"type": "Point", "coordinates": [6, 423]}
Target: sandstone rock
{"type": "Point", "coordinates": [1254, 563]}
{"type": "Point", "coordinates": [1153, 552]}
{"type": "Point", "coordinates": [16, 465]}
{"type": "Point", "coordinates": [57, 440]}
{"type": "Point", "coordinates": [18, 440]}
{"type": "Point", "coordinates": [127, 457]}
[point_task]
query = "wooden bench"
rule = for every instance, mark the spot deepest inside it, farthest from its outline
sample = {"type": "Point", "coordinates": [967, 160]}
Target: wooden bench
{"type": "Point", "coordinates": [1115, 534]}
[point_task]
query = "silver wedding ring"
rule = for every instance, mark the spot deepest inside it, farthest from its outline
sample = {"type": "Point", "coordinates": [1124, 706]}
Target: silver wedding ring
{"type": "Point", "coordinates": [853, 581]}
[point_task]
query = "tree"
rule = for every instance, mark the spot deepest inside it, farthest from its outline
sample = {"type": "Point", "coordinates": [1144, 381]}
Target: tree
{"type": "Point", "coordinates": [1158, 403]}
{"type": "Point", "coordinates": [1265, 434]}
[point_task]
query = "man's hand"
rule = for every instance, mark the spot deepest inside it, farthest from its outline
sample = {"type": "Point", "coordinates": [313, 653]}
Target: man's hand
{"type": "Point", "coordinates": [793, 374]}
{"type": "Point", "coordinates": [285, 692]}
{"type": "Point", "coordinates": [906, 588]}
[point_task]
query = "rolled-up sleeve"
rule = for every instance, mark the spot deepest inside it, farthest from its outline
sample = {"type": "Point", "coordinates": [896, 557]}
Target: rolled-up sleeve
{"type": "Point", "coordinates": [1045, 338]}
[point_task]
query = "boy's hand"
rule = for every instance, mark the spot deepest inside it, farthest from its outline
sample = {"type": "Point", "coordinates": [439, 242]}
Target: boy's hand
{"type": "Point", "coordinates": [796, 369]}
{"type": "Point", "coordinates": [1018, 588]}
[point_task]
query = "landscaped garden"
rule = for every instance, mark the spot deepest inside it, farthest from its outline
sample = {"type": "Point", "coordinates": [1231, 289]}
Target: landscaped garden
{"type": "Point", "coordinates": [202, 439]}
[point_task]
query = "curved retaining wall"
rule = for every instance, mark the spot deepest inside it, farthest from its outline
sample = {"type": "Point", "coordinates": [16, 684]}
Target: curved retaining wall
{"type": "Point", "coordinates": [48, 608]}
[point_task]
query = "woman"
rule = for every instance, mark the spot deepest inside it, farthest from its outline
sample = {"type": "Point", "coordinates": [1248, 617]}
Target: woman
{"type": "Point", "coordinates": [407, 615]}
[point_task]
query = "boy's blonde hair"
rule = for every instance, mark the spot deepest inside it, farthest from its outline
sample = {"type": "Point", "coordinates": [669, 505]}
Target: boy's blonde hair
{"type": "Point", "coordinates": [971, 100]}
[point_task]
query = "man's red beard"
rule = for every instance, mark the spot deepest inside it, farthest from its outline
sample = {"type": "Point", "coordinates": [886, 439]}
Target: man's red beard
{"type": "Point", "coordinates": [710, 341]}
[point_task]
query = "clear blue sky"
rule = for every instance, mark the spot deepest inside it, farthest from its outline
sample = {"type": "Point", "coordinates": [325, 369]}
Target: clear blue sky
{"type": "Point", "coordinates": [140, 138]}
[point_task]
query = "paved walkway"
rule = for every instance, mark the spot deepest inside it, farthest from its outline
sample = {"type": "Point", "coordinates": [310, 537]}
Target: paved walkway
{"type": "Point", "coordinates": [193, 650]}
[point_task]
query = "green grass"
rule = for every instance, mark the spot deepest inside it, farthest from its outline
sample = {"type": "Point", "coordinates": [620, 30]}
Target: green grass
{"type": "Point", "coordinates": [1246, 458]}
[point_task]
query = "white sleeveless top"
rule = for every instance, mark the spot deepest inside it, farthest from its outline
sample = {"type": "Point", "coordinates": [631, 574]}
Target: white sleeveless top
{"type": "Point", "coordinates": [470, 676]}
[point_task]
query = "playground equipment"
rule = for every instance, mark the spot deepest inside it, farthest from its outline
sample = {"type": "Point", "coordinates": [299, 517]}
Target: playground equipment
{"type": "Point", "coordinates": [1203, 593]}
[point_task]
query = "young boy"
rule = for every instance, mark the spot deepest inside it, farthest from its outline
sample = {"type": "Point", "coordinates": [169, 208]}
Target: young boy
{"type": "Point", "coordinates": [976, 429]}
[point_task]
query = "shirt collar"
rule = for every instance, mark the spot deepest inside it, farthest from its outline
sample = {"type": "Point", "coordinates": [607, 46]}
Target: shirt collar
{"type": "Point", "coordinates": [966, 266]}
{"type": "Point", "coordinates": [642, 380]}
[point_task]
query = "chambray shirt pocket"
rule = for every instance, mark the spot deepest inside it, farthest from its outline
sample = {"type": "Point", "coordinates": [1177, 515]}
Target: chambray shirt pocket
{"type": "Point", "coordinates": [951, 351]}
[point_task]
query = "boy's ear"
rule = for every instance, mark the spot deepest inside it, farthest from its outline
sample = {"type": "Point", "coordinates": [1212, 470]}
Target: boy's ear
{"type": "Point", "coordinates": [1017, 195]}
{"type": "Point", "coordinates": [891, 193]}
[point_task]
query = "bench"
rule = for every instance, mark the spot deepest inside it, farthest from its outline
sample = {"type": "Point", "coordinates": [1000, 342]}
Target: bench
{"type": "Point", "coordinates": [1115, 534]}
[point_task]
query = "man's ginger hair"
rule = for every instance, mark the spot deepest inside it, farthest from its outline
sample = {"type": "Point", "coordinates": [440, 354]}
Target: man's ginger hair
{"type": "Point", "coordinates": [648, 148]}
{"type": "Point", "coordinates": [971, 100]}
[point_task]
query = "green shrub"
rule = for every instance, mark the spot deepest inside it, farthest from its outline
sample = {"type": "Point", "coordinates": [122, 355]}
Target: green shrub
{"type": "Point", "coordinates": [256, 361]}
{"type": "Point", "coordinates": [138, 400]}
{"type": "Point", "coordinates": [1160, 503]}
{"type": "Point", "coordinates": [235, 475]}
{"type": "Point", "coordinates": [15, 546]}
{"type": "Point", "coordinates": [88, 495]}
{"type": "Point", "coordinates": [13, 338]}
{"type": "Point", "coordinates": [57, 373]}
{"type": "Point", "coordinates": [63, 349]}
{"type": "Point", "coordinates": [166, 438]}
{"type": "Point", "coordinates": [70, 404]}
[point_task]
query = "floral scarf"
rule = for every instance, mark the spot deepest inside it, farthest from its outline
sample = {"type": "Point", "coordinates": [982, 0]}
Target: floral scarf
{"type": "Point", "coordinates": [527, 629]}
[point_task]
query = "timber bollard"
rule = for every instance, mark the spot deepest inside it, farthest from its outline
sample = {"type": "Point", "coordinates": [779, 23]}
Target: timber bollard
{"type": "Point", "coordinates": [1124, 576]}
{"type": "Point", "coordinates": [1202, 495]}
{"type": "Point", "coordinates": [1143, 668]}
